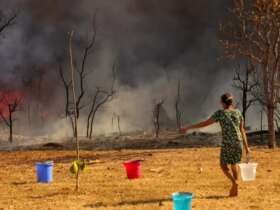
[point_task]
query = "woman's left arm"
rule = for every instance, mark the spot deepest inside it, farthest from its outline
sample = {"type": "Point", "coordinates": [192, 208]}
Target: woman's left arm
{"type": "Point", "coordinates": [202, 124]}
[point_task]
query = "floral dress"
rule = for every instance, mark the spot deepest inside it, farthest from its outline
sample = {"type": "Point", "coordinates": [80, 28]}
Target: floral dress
{"type": "Point", "coordinates": [231, 150]}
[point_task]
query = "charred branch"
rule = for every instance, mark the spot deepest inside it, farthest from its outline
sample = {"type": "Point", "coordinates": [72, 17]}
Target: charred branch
{"type": "Point", "coordinates": [82, 73]}
{"type": "Point", "coordinates": [8, 22]}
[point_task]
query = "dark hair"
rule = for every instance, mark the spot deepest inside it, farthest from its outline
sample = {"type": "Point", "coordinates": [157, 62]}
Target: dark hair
{"type": "Point", "coordinates": [227, 99]}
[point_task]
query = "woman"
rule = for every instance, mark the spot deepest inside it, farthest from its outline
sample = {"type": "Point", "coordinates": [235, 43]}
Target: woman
{"type": "Point", "coordinates": [233, 132]}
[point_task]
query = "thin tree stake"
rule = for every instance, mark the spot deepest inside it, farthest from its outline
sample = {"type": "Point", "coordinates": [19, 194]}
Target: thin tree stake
{"type": "Point", "coordinates": [75, 107]}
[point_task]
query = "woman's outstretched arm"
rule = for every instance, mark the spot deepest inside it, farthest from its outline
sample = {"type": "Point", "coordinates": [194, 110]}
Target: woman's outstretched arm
{"type": "Point", "coordinates": [205, 123]}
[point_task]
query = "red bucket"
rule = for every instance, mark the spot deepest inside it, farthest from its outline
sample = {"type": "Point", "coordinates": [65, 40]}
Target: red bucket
{"type": "Point", "coordinates": [133, 169]}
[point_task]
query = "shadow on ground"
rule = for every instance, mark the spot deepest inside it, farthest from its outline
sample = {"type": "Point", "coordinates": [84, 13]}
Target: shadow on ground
{"type": "Point", "coordinates": [133, 203]}
{"type": "Point", "coordinates": [152, 201]}
{"type": "Point", "coordinates": [212, 197]}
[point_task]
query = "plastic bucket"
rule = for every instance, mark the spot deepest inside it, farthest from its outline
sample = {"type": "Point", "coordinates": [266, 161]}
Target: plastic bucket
{"type": "Point", "coordinates": [44, 172]}
{"type": "Point", "coordinates": [182, 200]}
{"type": "Point", "coordinates": [133, 169]}
{"type": "Point", "coordinates": [248, 171]}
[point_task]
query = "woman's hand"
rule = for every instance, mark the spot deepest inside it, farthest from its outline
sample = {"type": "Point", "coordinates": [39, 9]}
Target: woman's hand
{"type": "Point", "coordinates": [248, 151]}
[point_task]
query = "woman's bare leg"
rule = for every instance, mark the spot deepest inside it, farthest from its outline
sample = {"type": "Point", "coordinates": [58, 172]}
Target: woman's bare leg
{"type": "Point", "coordinates": [226, 171]}
{"type": "Point", "coordinates": [234, 170]}
{"type": "Point", "coordinates": [234, 190]}
{"type": "Point", "coordinates": [232, 177]}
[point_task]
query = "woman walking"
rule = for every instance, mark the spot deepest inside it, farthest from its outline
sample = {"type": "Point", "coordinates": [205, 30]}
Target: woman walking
{"type": "Point", "coordinates": [234, 136]}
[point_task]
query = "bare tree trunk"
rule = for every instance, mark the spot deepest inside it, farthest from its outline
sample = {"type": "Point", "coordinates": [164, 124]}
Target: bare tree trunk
{"type": "Point", "coordinates": [112, 122]}
{"type": "Point", "coordinates": [91, 126]}
{"type": "Point", "coordinates": [10, 124]}
{"type": "Point", "coordinates": [157, 127]}
{"type": "Point", "coordinates": [277, 125]}
{"type": "Point", "coordinates": [245, 93]}
{"type": "Point", "coordinates": [156, 115]}
{"type": "Point", "coordinates": [88, 124]}
{"type": "Point", "coordinates": [91, 123]}
{"type": "Point", "coordinates": [156, 121]}
{"type": "Point", "coordinates": [28, 115]}
{"type": "Point", "coordinates": [95, 106]}
{"type": "Point", "coordinates": [261, 125]}
{"type": "Point", "coordinates": [177, 106]}
{"type": "Point", "coordinates": [244, 105]}
{"type": "Point", "coordinates": [119, 126]}
{"type": "Point", "coordinates": [271, 127]}
{"type": "Point", "coordinates": [91, 113]}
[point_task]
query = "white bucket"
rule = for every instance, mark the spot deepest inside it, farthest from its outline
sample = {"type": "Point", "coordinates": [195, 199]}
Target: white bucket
{"type": "Point", "coordinates": [248, 171]}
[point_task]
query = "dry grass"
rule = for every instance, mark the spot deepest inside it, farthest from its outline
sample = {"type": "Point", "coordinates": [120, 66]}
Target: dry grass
{"type": "Point", "coordinates": [104, 185]}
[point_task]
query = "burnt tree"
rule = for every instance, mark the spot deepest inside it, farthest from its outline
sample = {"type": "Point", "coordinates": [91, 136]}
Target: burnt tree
{"type": "Point", "coordinates": [247, 85]}
{"type": "Point", "coordinates": [156, 116]}
{"type": "Point", "coordinates": [177, 106]}
{"type": "Point", "coordinates": [99, 99]}
{"type": "Point", "coordinates": [11, 105]}
{"type": "Point", "coordinates": [119, 124]}
{"type": "Point", "coordinates": [277, 118]}
{"type": "Point", "coordinates": [80, 75]}
{"type": "Point", "coordinates": [67, 84]}
{"type": "Point", "coordinates": [252, 31]}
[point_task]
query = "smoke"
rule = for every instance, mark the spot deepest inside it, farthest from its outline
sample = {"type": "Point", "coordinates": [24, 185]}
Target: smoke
{"type": "Point", "coordinates": [156, 43]}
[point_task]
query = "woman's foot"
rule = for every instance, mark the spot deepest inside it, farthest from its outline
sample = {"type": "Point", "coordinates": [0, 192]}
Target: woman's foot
{"type": "Point", "coordinates": [234, 190]}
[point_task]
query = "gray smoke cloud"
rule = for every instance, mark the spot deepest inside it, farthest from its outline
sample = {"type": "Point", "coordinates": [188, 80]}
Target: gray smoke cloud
{"type": "Point", "coordinates": [156, 42]}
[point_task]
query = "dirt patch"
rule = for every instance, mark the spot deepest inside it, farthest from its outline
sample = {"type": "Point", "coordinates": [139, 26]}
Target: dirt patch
{"type": "Point", "coordinates": [104, 185]}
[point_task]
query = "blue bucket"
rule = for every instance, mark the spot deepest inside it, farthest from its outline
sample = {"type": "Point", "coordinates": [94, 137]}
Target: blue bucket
{"type": "Point", "coordinates": [44, 172]}
{"type": "Point", "coordinates": [182, 201]}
